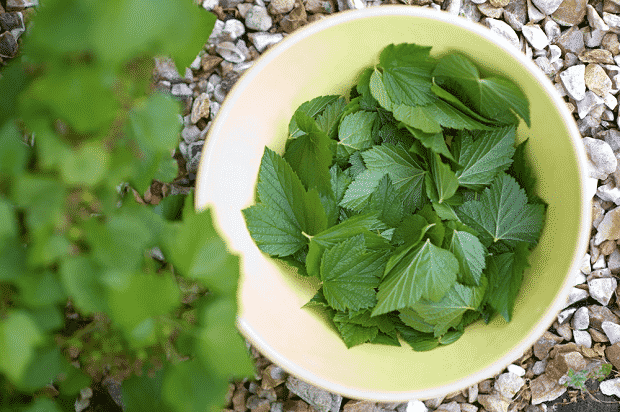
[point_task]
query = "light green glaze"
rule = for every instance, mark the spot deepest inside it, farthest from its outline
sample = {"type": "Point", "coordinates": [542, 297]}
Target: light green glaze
{"type": "Point", "coordinates": [325, 58]}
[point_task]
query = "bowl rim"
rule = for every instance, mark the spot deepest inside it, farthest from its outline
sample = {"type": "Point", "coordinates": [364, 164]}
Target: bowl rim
{"type": "Point", "coordinates": [550, 314]}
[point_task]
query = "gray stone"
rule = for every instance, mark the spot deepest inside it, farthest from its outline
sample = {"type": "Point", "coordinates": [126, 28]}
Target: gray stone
{"type": "Point", "coordinates": [488, 10]}
{"type": "Point", "coordinates": [262, 40]}
{"type": "Point", "coordinates": [575, 295]}
{"type": "Point", "coordinates": [190, 134]}
{"type": "Point", "coordinates": [552, 30]}
{"type": "Point", "coordinates": [515, 13]}
{"type": "Point", "coordinates": [13, 22]}
{"type": "Point", "coordinates": [566, 314]}
{"type": "Point", "coordinates": [508, 384]}
{"type": "Point", "coordinates": [12, 5]}
{"type": "Point", "coordinates": [319, 399]}
{"type": "Point", "coordinates": [503, 29]}
{"type": "Point", "coordinates": [200, 108]}
{"type": "Point", "coordinates": [581, 319]}
{"type": "Point", "coordinates": [472, 393]}
{"type": "Point", "coordinates": [601, 156]}
{"type": "Point", "coordinates": [258, 19]}
{"type": "Point", "coordinates": [600, 314]}
{"type": "Point", "coordinates": [609, 193]}
{"type": "Point", "coordinates": [535, 36]}
{"type": "Point", "coordinates": [602, 290]}
{"type": "Point", "coordinates": [543, 63]}
{"type": "Point", "coordinates": [545, 389]}
{"type": "Point", "coordinates": [593, 38]}
{"type": "Point", "coordinates": [449, 407]}
{"type": "Point", "coordinates": [8, 45]}
{"type": "Point", "coordinates": [230, 52]}
{"type": "Point", "coordinates": [281, 6]}
{"type": "Point", "coordinates": [597, 80]}
{"type": "Point", "coordinates": [570, 12]}
{"type": "Point", "coordinates": [434, 402]}
{"type": "Point", "coordinates": [244, 8]}
{"type": "Point", "coordinates": [219, 94]}
{"type": "Point", "coordinates": [613, 262]}
{"type": "Point", "coordinates": [594, 20]}
{"type": "Point", "coordinates": [166, 69]}
{"type": "Point", "coordinates": [611, 387]}
{"type": "Point", "coordinates": [571, 41]}
{"type": "Point", "coordinates": [218, 28]}
{"type": "Point", "coordinates": [613, 21]}
{"type": "Point", "coordinates": [609, 228]}
{"type": "Point", "coordinates": [588, 103]}
{"type": "Point", "coordinates": [545, 343]}
{"type": "Point", "coordinates": [234, 28]}
{"type": "Point", "coordinates": [181, 90]}
{"type": "Point", "coordinates": [612, 137]}
{"type": "Point", "coordinates": [564, 330]}
{"type": "Point", "coordinates": [494, 402]}
{"type": "Point", "coordinates": [230, 4]}
{"type": "Point", "coordinates": [582, 338]}
{"type": "Point", "coordinates": [467, 407]}
{"type": "Point", "coordinates": [612, 330]}
{"type": "Point", "coordinates": [570, 59]}
{"type": "Point", "coordinates": [573, 80]}
{"type": "Point", "coordinates": [539, 367]}
{"type": "Point", "coordinates": [611, 102]}
{"type": "Point", "coordinates": [547, 6]}
{"type": "Point", "coordinates": [214, 107]}
{"type": "Point", "coordinates": [555, 53]}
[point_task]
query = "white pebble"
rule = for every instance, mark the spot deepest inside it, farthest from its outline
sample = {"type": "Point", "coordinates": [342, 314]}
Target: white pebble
{"type": "Point", "coordinates": [234, 28]}
{"type": "Point", "coordinates": [416, 406]}
{"type": "Point", "coordinates": [611, 387]}
{"type": "Point", "coordinates": [574, 81]}
{"type": "Point", "coordinates": [575, 295]}
{"type": "Point", "coordinates": [612, 330]}
{"type": "Point", "coordinates": [603, 289]}
{"type": "Point", "coordinates": [582, 338]}
{"type": "Point", "coordinates": [535, 36]}
{"type": "Point", "coordinates": [516, 369]}
{"type": "Point", "coordinates": [609, 193]}
{"type": "Point", "coordinates": [589, 102]}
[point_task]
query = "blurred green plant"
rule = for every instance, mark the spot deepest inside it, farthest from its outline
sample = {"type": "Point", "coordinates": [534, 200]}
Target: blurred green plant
{"type": "Point", "coordinates": [79, 122]}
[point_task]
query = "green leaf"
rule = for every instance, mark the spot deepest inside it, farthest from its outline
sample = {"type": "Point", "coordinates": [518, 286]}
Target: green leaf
{"type": "Point", "coordinates": [350, 274]}
{"type": "Point", "coordinates": [8, 219]}
{"type": "Point", "coordinates": [221, 348]}
{"type": "Point", "coordinates": [355, 132]}
{"type": "Point", "coordinates": [309, 155]}
{"type": "Point", "coordinates": [427, 271]}
{"type": "Point", "coordinates": [406, 173]}
{"type": "Point", "coordinates": [14, 153]}
{"type": "Point", "coordinates": [73, 95]}
{"type": "Point", "coordinates": [364, 224]}
{"type": "Point", "coordinates": [12, 259]}
{"type": "Point", "coordinates": [190, 387]}
{"type": "Point", "coordinates": [44, 199]}
{"type": "Point", "coordinates": [40, 289]}
{"type": "Point", "coordinates": [196, 250]}
{"type": "Point", "coordinates": [437, 231]}
{"type": "Point", "coordinates": [412, 319]}
{"type": "Point", "coordinates": [483, 155]}
{"type": "Point", "coordinates": [387, 202]}
{"type": "Point", "coordinates": [87, 165]}
{"type": "Point", "coordinates": [19, 336]}
{"type": "Point", "coordinates": [502, 213]}
{"type": "Point", "coordinates": [433, 141]}
{"type": "Point", "coordinates": [359, 191]}
{"type": "Point", "coordinates": [287, 211]}
{"type": "Point", "coordinates": [311, 108]}
{"type": "Point", "coordinates": [441, 182]}
{"type": "Point", "coordinates": [154, 122]}
{"type": "Point", "coordinates": [364, 80]}
{"type": "Point", "coordinates": [419, 341]}
{"type": "Point", "coordinates": [470, 253]}
{"type": "Point", "coordinates": [340, 181]}
{"type": "Point", "coordinates": [505, 273]}
{"type": "Point", "coordinates": [377, 90]}
{"type": "Point", "coordinates": [452, 99]}
{"type": "Point", "coordinates": [489, 96]}
{"type": "Point", "coordinates": [521, 170]}
{"type": "Point", "coordinates": [81, 279]}
{"type": "Point", "coordinates": [407, 73]}
{"type": "Point", "coordinates": [136, 297]}
{"type": "Point", "coordinates": [411, 230]}
{"type": "Point", "coordinates": [144, 393]}
{"type": "Point", "coordinates": [448, 311]}
{"type": "Point", "coordinates": [419, 117]}
{"type": "Point", "coordinates": [353, 334]}
{"type": "Point", "coordinates": [46, 364]}
{"type": "Point", "coordinates": [170, 207]}
{"type": "Point", "coordinates": [329, 120]}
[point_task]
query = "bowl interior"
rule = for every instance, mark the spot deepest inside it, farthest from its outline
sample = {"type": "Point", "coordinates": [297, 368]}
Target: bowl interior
{"type": "Point", "coordinates": [325, 58]}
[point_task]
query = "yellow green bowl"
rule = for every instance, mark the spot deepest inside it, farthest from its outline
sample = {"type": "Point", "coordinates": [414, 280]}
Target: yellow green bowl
{"type": "Point", "coordinates": [326, 57]}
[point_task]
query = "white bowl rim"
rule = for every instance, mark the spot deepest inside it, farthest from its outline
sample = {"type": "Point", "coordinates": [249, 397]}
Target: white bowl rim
{"type": "Point", "coordinates": [202, 202]}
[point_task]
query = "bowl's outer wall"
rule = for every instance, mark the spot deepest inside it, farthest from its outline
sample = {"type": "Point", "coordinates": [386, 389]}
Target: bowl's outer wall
{"type": "Point", "coordinates": [326, 58]}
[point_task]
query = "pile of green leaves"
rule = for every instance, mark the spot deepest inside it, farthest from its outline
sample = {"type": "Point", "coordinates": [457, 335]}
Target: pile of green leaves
{"type": "Point", "coordinates": [80, 94]}
{"type": "Point", "coordinates": [406, 201]}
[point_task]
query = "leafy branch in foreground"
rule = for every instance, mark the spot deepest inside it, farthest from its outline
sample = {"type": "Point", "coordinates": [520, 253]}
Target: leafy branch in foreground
{"type": "Point", "coordinates": [77, 280]}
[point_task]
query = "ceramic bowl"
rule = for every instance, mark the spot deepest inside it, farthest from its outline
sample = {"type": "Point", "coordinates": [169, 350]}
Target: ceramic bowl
{"type": "Point", "coordinates": [326, 57]}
